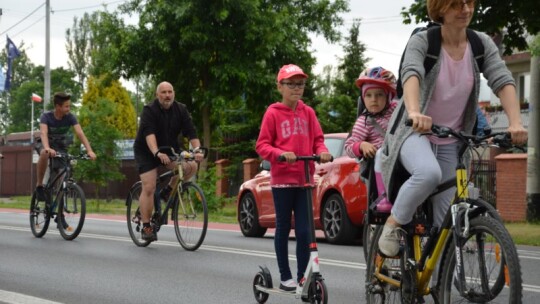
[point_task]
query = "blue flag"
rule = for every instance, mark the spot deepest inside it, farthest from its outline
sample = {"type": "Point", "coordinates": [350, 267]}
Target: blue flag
{"type": "Point", "coordinates": [2, 79]}
{"type": "Point", "coordinates": [13, 53]}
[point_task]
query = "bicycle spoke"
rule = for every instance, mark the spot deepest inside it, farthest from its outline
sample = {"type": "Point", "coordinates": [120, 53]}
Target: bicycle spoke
{"type": "Point", "coordinates": [71, 212]}
{"type": "Point", "coordinates": [190, 216]}
{"type": "Point", "coordinates": [133, 214]}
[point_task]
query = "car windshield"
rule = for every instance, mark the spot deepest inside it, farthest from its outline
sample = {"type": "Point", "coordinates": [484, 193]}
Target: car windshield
{"type": "Point", "coordinates": [335, 146]}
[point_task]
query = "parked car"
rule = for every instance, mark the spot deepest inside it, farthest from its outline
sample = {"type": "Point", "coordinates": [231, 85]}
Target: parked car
{"type": "Point", "coordinates": [339, 200]}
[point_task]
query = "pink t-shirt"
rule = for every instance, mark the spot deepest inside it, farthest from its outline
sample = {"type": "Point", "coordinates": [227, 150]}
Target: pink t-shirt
{"type": "Point", "coordinates": [451, 93]}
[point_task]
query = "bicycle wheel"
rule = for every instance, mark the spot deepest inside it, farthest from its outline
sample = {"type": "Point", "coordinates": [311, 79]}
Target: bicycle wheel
{"type": "Point", "coordinates": [71, 211]}
{"type": "Point", "coordinates": [367, 236]}
{"type": "Point", "coordinates": [39, 216]}
{"type": "Point", "coordinates": [133, 213]}
{"type": "Point", "coordinates": [490, 260]}
{"type": "Point", "coordinates": [190, 216]}
{"type": "Point", "coordinates": [378, 291]}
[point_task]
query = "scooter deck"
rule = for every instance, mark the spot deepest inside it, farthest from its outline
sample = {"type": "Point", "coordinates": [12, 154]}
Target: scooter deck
{"type": "Point", "coordinates": [276, 291]}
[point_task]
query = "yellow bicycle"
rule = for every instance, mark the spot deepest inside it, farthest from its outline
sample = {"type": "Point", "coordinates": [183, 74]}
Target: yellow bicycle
{"type": "Point", "coordinates": [479, 259]}
{"type": "Point", "coordinates": [187, 202]}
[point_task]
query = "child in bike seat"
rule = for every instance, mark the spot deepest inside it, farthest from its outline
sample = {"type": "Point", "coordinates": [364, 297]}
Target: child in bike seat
{"type": "Point", "coordinates": [378, 88]}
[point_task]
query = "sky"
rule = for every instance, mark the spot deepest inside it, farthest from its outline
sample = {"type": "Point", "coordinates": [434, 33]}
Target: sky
{"type": "Point", "coordinates": [381, 29]}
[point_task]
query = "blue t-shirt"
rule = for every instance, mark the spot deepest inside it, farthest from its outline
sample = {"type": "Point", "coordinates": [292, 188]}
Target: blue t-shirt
{"type": "Point", "coordinates": [59, 130]}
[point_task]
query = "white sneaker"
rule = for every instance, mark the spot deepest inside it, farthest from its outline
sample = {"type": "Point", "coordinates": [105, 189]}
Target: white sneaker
{"type": "Point", "coordinates": [389, 241]}
{"type": "Point", "coordinates": [289, 285]}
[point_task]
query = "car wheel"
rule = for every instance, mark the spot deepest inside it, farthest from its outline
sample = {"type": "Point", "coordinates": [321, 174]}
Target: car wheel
{"type": "Point", "coordinates": [337, 226]}
{"type": "Point", "coordinates": [249, 217]}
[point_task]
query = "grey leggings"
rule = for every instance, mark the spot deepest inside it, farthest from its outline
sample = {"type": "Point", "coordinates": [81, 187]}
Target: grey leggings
{"type": "Point", "coordinates": [428, 165]}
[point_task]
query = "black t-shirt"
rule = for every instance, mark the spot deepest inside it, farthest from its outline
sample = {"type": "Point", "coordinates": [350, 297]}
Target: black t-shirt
{"type": "Point", "coordinates": [59, 130]}
{"type": "Point", "coordinates": [166, 125]}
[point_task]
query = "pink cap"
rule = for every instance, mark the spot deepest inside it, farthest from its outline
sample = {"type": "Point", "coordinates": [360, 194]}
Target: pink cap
{"type": "Point", "coordinates": [288, 71]}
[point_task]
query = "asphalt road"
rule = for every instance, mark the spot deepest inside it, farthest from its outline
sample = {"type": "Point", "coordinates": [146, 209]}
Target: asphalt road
{"type": "Point", "coordinates": [103, 266]}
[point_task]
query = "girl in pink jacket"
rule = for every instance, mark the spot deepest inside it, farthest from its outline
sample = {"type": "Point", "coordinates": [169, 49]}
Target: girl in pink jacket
{"type": "Point", "coordinates": [290, 128]}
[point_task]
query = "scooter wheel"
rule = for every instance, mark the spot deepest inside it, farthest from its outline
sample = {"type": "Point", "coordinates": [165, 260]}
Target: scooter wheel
{"type": "Point", "coordinates": [260, 280]}
{"type": "Point", "coordinates": [321, 293]}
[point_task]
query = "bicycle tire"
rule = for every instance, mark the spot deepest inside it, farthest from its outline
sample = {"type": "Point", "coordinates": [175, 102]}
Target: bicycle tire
{"type": "Point", "coordinates": [367, 236]}
{"type": "Point", "coordinates": [39, 216]}
{"type": "Point", "coordinates": [499, 259]}
{"type": "Point", "coordinates": [486, 209]}
{"type": "Point", "coordinates": [133, 214]}
{"type": "Point", "coordinates": [189, 225]}
{"type": "Point", "coordinates": [378, 292]}
{"type": "Point", "coordinates": [71, 211]}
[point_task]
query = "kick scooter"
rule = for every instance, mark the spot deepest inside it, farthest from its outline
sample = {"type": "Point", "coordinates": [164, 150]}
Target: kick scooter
{"type": "Point", "coordinates": [311, 288]}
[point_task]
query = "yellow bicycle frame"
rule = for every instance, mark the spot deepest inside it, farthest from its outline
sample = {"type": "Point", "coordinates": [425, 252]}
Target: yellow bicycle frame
{"type": "Point", "coordinates": [423, 277]}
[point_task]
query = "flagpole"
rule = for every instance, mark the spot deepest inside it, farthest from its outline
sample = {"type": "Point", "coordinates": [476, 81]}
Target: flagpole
{"type": "Point", "coordinates": [32, 123]}
{"type": "Point", "coordinates": [32, 146]}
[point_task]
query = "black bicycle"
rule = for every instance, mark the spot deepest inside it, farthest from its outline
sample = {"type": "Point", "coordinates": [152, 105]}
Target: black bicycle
{"type": "Point", "coordinates": [64, 199]}
{"type": "Point", "coordinates": [187, 202]}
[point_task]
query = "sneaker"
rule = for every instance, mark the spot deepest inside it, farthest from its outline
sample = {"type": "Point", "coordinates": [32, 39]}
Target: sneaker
{"type": "Point", "coordinates": [67, 227]}
{"type": "Point", "coordinates": [40, 191]}
{"type": "Point", "coordinates": [148, 234]}
{"type": "Point", "coordinates": [389, 241]}
{"type": "Point", "coordinates": [289, 285]}
{"type": "Point", "coordinates": [165, 192]}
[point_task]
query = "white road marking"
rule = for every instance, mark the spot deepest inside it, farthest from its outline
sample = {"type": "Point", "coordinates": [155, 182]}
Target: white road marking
{"type": "Point", "coordinates": [19, 298]}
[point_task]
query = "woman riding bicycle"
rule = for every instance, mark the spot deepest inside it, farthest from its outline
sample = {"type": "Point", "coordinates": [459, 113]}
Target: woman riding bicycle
{"type": "Point", "coordinates": [446, 96]}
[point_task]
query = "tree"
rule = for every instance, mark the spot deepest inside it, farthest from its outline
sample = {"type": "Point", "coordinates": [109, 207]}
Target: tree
{"type": "Point", "coordinates": [123, 119]}
{"type": "Point", "coordinates": [511, 20]}
{"type": "Point", "coordinates": [337, 112]}
{"type": "Point", "coordinates": [21, 105]}
{"type": "Point", "coordinates": [95, 120]}
{"type": "Point", "coordinates": [219, 50]}
{"type": "Point", "coordinates": [21, 69]}
{"type": "Point", "coordinates": [78, 45]}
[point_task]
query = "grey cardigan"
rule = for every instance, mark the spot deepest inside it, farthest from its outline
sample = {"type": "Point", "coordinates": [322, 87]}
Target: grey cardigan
{"type": "Point", "coordinates": [495, 72]}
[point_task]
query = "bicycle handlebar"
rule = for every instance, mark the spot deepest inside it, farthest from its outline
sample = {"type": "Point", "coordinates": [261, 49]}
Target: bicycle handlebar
{"type": "Point", "coordinates": [500, 139]}
{"type": "Point", "coordinates": [183, 154]}
{"type": "Point", "coordinates": [69, 156]}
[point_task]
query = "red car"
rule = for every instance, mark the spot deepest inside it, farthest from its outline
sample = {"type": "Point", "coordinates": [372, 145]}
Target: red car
{"type": "Point", "coordinates": [339, 200]}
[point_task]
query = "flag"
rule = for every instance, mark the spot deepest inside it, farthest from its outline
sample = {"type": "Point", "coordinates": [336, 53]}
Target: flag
{"type": "Point", "coordinates": [36, 97]}
{"type": "Point", "coordinates": [2, 79]}
{"type": "Point", "coordinates": [13, 53]}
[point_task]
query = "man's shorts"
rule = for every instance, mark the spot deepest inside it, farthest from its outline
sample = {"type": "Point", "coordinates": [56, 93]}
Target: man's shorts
{"type": "Point", "coordinates": [58, 163]}
{"type": "Point", "coordinates": [145, 161]}
{"type": "Point", "coordinates": [38, 146]}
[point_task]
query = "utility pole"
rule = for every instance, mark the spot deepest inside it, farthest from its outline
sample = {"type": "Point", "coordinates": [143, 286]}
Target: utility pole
{"type": "Point", "coordinates": [533, 146]}
{"type": "Point", "coordinates": [47, 73]}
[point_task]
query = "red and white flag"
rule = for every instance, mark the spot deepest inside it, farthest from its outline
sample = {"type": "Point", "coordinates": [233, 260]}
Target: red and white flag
{"type": "Point", "coordinates": [36, 97]}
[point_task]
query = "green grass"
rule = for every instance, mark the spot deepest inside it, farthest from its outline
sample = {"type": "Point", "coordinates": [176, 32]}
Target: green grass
{"type": "Point", "coordinates": [525, 233]}
{"type": "Point", "coordinates": [522, 233]}
{"type": "Point", "coordinates": [226, 214]}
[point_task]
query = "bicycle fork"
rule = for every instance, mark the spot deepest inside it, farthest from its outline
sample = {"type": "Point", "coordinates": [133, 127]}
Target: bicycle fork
{"type": "Point", "coordinates": [460, 220]}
